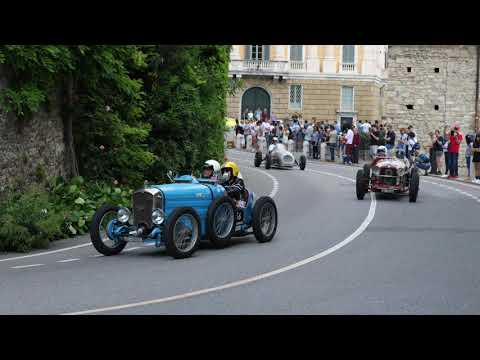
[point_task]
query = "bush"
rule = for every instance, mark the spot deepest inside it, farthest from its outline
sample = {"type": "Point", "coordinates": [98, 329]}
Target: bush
{"type": "Point", "coordinates": [40, 215]}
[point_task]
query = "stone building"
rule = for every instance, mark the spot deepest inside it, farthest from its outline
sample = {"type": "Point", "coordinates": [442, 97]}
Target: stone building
{"type": "Point", "coordinates": [432, 86]}
{"type": "Point", "coordinates": [31, 147]}
{"type": "Point", "coordinates": [340, 83]}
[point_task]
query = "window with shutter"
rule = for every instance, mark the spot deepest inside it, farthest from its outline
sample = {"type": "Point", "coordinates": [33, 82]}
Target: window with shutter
{"type": "Point", "coordinates": [296, 53]}
{"type": "Point", "coordinates": [259, 52]}
{"type": "Point", "coordinates": [348, 56]}
{"type": "Point", "coordinates": [347, 99]}
{"type": "Point", "coordinates": [296, 96]}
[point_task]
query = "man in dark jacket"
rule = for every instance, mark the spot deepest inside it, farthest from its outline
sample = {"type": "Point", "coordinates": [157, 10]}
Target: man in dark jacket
{"type": "Point", "coordinates": [234, 186]}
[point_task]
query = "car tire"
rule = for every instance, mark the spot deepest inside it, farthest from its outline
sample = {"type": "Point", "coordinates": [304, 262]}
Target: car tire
{"type": "Point", "coordinates": [268, 161]}
{"type": "Point", "coordinates": [303, 162]}
{"type": "Point", "coordinates": [414, 186]}
{"type": "Point", "coordinates": [220, 240]}
{"type": "Point", "coordinates": [361, 185]}
{"type": "Point", "coordinates": [258, 210]}
{"type": "Point", "coordinates": [95, 236]}
{"type": "Point", "coordinates": [171, 242]}
{"type": "Point", "coordinates": [258, 158]}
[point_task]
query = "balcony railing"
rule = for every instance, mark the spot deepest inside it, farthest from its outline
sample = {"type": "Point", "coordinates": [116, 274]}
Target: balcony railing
{"type": "Point", "coordinates": [259, 66]}
{"type": "Point", "coordinates": [348, 67]}
{"type": "Point", "coordinates": [297, 65]}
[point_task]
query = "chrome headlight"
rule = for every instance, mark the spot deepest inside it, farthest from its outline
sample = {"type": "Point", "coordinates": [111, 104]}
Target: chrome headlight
{"type": "Point", "coordinates": [400, 172]}
{"type": "Point", "coordinates": [123, 215]}
{"type": "Point", "coordinates": [376, 171]}
{"type": "Point", "coordinates": [158, 216]}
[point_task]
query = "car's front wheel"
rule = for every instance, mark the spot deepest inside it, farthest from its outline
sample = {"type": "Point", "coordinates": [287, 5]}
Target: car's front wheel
{"type": "Point", "coordinates": [414, 186]}
{"type": "Point", "coordinates": [268, 161]}
{"type": "Point", "coordinates": [361, 185]}
{"type": "Point", "coordinates": [182, 233]}
{"type": "Point", "coordinates": [258, 158]}
{"type": "Point", "coordinates": [303, 162]}
{"type": "Point", "coordinates": [221, 221]}
{"type": "Point", "coordinates": [103, 218]}
{"type": "Point", "coordinates": [265, 219]}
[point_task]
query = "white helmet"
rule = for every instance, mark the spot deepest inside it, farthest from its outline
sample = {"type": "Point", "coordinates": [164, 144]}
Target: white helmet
{"type": "Point", "coordinates": [381, 150]}
{"type": "Point", "coordinates": [213, 164]}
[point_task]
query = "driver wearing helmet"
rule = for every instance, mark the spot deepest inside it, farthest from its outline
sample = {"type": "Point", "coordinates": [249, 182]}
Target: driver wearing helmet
{"type": "Point", "coordinates": [381, 154]}
{"type": "Point", "coordinates": [273, 145]}
{"type": "Point", "coordinates": [234, 186]}
{"type": "Point", "coordinates": [211, 170]}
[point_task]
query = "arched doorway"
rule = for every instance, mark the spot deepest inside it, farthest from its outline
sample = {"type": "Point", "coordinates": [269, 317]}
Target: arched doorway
{"type": "Point", "coordinates": [255, 98]}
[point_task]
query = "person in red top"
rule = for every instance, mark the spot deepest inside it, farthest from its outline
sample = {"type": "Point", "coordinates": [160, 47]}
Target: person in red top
{"type": "Point", "coordinates": [453, 150]}
{"type": "Point", "coordinates": [356, 144]}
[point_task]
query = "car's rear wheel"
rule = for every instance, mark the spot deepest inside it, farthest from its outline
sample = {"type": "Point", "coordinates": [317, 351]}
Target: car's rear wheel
{"type": "Point", "coordinates": [265, 219]}
{"type": "Point", "coordinates": [303, 162]}
{"type": "Point", "coordinates": [182, 233]}
{"type": "Point", "coordinates": [268, 161]}
{"type": "Point", "coordinates": [99, 231]}
{"type": "Point", "coordinates": [414, 186]}
{"type": "Point", "coordinates": [258, 158]}
{"type": "Point", "coordinates": [361, 185]}
{"type": "Point", "coordinates": [221, 221]}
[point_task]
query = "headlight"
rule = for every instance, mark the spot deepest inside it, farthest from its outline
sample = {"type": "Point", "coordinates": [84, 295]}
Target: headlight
{"type": "Point", "coordinates": [123, 215]}
{"type": "Point", "coordinates": [376, 171]}
{"type": "Point", "coordinates": [401, 172]}
{"type": "Point", "coordinates": [158, 216]}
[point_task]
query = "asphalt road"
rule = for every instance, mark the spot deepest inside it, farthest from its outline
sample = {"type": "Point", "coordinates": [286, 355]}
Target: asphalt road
{"type": "Point", "coordinates": [332, 254]}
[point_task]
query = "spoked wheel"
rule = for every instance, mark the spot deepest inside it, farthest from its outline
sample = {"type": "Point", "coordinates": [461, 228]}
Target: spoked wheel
{"type": "Point", "coordinates": [361, 185]}
{"type": "Point", "coordinates": [221, 221]}
{"type": "Point", "coordinates": [268, 161]}
{"type": "Point", "coordinates": [414, 186]}
{"type": "Point", "coordinates": [182, 233]}
{"type": "Point", "coordinates": [265, 219]}
{"type": "Point", "coordinates": [258, 158]}
{"type": "Point", "coordinates": [103, 218]}
{"type": "Point", "coordinates": [303, 162]}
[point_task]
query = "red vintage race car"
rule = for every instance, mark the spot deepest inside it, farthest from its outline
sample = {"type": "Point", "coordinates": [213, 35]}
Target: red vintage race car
{"type": "Point", "coordinates": [389, 175]}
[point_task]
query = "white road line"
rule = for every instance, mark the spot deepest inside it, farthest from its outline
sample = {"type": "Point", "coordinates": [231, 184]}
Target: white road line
{"type": "Point", "coordinates": [460, 191]}
{"type": "Point", "coordinates": [131, 249]}
{"type": "Point", "coordinates": [349, 239]}
{"type": "Point", "coordinates": [68, 260]}
{"type": "Point", "coordinates": [95, 256]}
{"type": "Point", "coordinates": [26, 266]}
{"type": "Point", "coordinates": [46, 252]}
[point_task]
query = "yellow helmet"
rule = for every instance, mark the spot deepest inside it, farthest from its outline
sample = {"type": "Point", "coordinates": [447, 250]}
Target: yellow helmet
{"type": "Point", "coordinates": [233, 166]}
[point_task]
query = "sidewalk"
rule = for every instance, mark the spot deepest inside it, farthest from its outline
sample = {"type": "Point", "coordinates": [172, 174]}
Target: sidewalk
{"type": "Point", "coordinates": [361, 162]}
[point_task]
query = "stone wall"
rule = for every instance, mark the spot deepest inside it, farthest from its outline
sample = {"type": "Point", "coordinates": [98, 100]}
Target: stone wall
{"type": "Point", "coordinates": [30, 147]}
{"type": "Point", "coordinates": [451, 89]}
{"type": "Point", "coordinates": [321, 98]}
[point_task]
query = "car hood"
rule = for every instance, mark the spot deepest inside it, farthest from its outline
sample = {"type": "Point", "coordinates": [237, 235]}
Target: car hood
{"type": "Point", "coordinates": [392, 163]}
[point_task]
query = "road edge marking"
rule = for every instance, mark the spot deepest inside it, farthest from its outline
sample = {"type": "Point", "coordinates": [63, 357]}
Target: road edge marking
{"type": "Point", "coordinates": [363, 226]}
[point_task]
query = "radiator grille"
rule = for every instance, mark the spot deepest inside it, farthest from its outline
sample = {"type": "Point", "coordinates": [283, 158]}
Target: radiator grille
{"type": "Point", "coordinates": [144, 201]}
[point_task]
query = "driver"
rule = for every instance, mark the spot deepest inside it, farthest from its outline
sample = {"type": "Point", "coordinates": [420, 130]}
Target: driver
{"type": "Point", "coordinates": [273, 145]}
{"type": "Point", "coordinates": [234, 186]}
{"type": "Point", "coordinates": [381, 154]}
{"type": "Point", "coordinates": [211, 170]}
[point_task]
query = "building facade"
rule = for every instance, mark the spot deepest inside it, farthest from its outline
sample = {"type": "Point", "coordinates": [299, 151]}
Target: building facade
{"type": "Point", "coordinates": [342, 83]}
{"type": "Point", "coordinates": [432, 86]}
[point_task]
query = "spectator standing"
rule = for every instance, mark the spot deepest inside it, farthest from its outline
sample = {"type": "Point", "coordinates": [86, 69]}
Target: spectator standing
{"type": "Point", "coordinates": [390, 140]}
{"type": "Point", "coordinates": [431, 150]}
{"type": "Point", "coordinates": [245, 114]}
{"type": "Point", "coordinates": [476, 157]}
{"type": "Point", "coordinates": [356, 144]}
{"type": "Point", "coordinates": [438, 150]}
{"type": "Point", "coordinates": [468, 155]}
{"type": "Point", "coordinates": [453, 150]}
{"type": "Point", "coordinates": [264, 115]}
{"type": "Point", "coordinates": [381, 135]}
{"type": "Point", "coordinates": [332, 142]}
{"type": "Point", "coordinates": [446, 142]}
{"type": "Point", "coordinates": [374, 138]}
{"type": "Point", "coordinates": [349, 146]}
{"type": "Point", "coordinates": [366, 127]}
{"type": "Point", "coordinates": [258, 114]}
{"type": "Point", "coordinates": [315, 141]}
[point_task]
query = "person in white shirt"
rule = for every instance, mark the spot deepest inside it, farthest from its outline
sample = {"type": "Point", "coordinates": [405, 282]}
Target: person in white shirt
{"type": "Point", "coordinates": [349, 146]}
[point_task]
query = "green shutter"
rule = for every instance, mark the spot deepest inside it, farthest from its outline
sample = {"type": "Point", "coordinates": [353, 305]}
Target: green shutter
{"type": "Point", "coordinates": [266, 52]}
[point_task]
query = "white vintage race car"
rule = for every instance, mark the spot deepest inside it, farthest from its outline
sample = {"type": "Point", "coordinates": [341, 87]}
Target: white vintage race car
{"type": "Point", "coordinates": [278, 156]}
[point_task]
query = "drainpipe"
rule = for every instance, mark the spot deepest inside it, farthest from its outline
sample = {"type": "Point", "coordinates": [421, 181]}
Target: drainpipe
{"type": "Point", "coordinates": [476, 92]}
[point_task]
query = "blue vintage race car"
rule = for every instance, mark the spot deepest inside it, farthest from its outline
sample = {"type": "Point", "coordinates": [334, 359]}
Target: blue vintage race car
{"type": "Point", "coordinates": [179, 215]}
